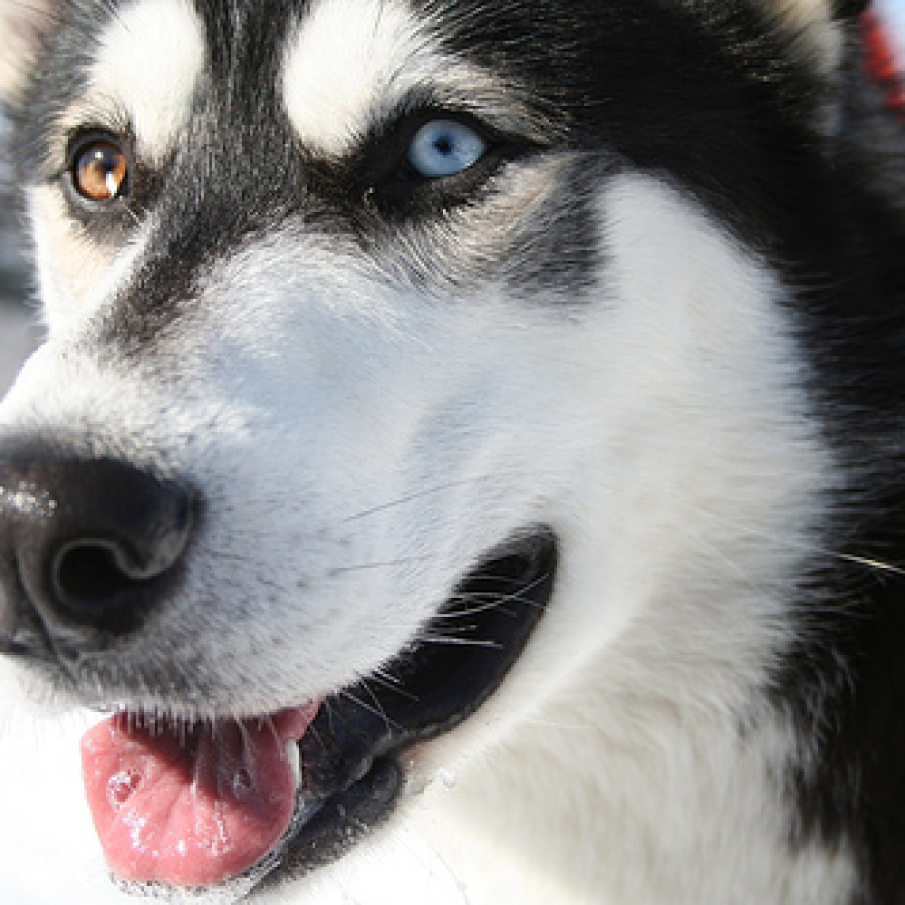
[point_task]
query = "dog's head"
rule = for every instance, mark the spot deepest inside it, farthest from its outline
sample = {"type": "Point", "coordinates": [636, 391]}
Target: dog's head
{"type": "Point", "coordinates": [382, 337]}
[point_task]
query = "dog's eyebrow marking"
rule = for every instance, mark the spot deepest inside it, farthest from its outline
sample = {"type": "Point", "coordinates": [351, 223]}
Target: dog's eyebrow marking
{"type": "Point", "coordinates": [349, 66]}
{"type": "Point", "coordinates": [150, 58]}
{"type": "Point", "coordinates": [341, 61]}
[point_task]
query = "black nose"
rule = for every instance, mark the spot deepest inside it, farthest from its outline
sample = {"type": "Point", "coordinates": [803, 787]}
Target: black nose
{"type": "Point", "coordinates": [87, 546]}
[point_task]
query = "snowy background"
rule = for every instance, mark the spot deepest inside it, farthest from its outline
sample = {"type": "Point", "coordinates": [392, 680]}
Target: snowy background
{"type": "Point", "coordinates": [894, 10]}
{"type": "Point", "coordinates": [49, 853]}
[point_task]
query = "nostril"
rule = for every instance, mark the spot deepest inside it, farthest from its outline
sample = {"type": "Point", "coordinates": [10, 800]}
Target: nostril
{"type": "Point", "coordinates": [109, 549]}
{"type": "Point", "coordinates": [107, 570]}
{"type": "Point", "coordinates": [94, 576]}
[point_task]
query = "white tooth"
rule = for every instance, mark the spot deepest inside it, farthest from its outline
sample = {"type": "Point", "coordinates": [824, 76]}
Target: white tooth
{"type": "Point", "coordinates": [292, 755]}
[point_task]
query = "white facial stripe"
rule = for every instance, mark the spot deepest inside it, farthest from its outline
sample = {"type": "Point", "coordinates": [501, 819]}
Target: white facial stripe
{"type": "Point", "coordinates": [76, 276]}
{"type": "Point", "coordinates": [349, 65]}
{"type": "Point", "coordinates": [341, 63]}
{"type": "Point", "coordinates": [148, 64]}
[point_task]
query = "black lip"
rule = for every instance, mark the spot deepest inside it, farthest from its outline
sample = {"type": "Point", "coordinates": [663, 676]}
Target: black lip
{"type": "Point", "coordinates": [350, 756]}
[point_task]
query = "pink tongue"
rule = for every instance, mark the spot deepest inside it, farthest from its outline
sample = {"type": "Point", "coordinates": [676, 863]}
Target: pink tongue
{"type": "Point", "coordinates": [196, 808]}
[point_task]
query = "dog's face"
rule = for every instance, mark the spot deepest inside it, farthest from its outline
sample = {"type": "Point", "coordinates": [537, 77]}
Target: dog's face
{"type": "Point", "coordinates": [409, 313]}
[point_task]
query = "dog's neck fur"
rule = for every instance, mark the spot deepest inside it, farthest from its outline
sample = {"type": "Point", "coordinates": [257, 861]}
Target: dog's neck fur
{"type": "Point", "coordinates": [685, 816]}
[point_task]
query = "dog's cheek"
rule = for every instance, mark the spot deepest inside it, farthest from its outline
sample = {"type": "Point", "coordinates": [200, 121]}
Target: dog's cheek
{"type": "Point", "coordinates": [76, 273]}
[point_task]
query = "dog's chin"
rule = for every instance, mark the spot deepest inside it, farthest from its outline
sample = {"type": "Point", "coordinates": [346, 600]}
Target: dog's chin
{"type": "Point", "coordinates": [350, 758]}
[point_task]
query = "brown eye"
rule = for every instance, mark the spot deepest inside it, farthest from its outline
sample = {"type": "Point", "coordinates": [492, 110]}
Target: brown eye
{"type": "Point", "coordinates": [99, 171]}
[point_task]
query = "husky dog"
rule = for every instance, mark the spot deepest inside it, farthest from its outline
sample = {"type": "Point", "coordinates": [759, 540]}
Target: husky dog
{"type": "Point", "coordinates": [468, 430]}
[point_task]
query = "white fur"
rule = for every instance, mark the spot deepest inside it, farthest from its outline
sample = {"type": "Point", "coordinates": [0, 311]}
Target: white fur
{"type": "Point", "coordinates": [147, 63]}
{"type": "Point", "coordinates": [348, 67]}
{"type": "Point", "coordinates": [343, 64]}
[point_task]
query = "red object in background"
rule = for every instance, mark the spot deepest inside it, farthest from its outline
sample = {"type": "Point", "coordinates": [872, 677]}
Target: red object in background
{"type": "Point", "coordinates": [880, 61]}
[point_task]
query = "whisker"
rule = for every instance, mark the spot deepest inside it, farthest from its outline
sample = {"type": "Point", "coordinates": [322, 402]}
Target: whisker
{"type": "Point", "coordinates": [382, 564]}
{"type": "Point", "coordinates": [409, 498]}
{"type": "Point", "coordinates": [870, 563]}
{"type": "Point", "coordinates": [377, 711]}
{"type": "Point", "coordinates": [494, 601]}
{"type": "Point", "coordinates": [476, 609]}
{"type": "Point", "coordinates": [866, 561]}
{"type": "Point", "coordinates": [391, 683]}
{"type": "Point", "coordinates": [431, 638]}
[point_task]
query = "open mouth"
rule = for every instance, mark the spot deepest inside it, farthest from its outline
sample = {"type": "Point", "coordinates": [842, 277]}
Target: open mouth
{"type": "Point", "coordinates": [270, 799]}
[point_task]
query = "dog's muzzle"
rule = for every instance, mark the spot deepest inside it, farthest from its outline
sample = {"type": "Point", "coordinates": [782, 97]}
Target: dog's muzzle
{"type": "Point", "coordinates": [88, 547]}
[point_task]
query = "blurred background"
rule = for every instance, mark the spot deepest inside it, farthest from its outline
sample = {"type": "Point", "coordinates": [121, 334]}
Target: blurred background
{"type": "Point", "coordinates": [18, 326]}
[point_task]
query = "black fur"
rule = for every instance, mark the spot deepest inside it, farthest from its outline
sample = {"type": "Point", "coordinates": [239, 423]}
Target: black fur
{"type": "Point", "coordinates": [844, 684]}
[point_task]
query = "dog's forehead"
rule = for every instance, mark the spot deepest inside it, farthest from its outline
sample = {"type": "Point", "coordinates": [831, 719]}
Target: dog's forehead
{"type": "Point", "coordinates": [333, 69]}
{"type": "Point", "coordinates": [334, 66]}
{"type": "Point", "coordinates": [251, 118]}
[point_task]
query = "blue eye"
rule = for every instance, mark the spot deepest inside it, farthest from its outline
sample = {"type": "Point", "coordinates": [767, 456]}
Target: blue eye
{"type": "Point", "coordinates": [444, 147]}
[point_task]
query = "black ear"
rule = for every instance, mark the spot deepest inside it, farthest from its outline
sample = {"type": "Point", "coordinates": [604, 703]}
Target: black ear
{"type": "Point", "coordinates": [849, 9]}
